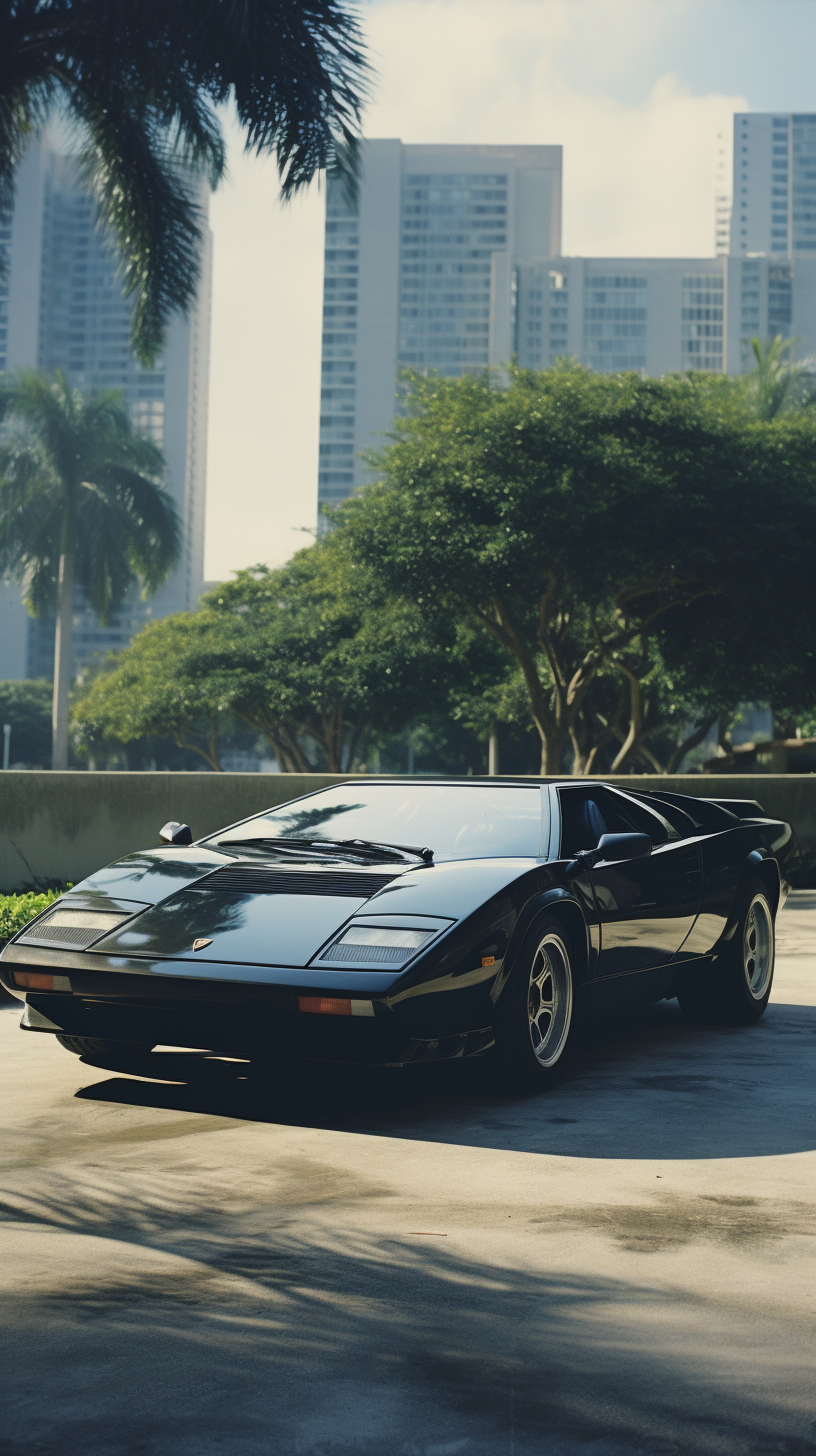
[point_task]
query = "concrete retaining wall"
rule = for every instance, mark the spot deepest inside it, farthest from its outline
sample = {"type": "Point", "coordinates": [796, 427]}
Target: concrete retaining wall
{"type": "Point", "coordinates": [65, 825]}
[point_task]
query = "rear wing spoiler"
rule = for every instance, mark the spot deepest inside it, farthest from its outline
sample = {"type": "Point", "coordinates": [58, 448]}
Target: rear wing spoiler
{"type": "Point", "coordinates": [742, 808]}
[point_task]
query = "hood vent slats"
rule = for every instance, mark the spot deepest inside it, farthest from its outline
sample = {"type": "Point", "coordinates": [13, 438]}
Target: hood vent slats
{"type": "Point", "coordinates": [247, 880]}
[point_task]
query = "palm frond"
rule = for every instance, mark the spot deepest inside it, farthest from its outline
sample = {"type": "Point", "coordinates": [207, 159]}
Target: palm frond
{"type": "Point", "coordinates": [102, 566]}
{"type": "Point", "coordinates": [298, 73]}
{"type": "Point", "coordinates": [150, 206]}
{"type": "Point", "coordinates": [26, 91]}
{"type": "Point", "coordinates": [31, 513]}
{"type": "Point", "coordinates": [143, 84]}
{"type": "Point", "coordinates": [149, 527]}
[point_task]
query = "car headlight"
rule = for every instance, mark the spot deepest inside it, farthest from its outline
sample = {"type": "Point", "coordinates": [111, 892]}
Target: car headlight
{"type": "Point", "coordinates": [73, 928]}
{"type": "Point", "coordinates": [381, 945]}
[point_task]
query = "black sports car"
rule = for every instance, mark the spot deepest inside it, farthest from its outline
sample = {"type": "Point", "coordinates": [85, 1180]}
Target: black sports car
{"type": "Point", "coordinates": [396, 921]}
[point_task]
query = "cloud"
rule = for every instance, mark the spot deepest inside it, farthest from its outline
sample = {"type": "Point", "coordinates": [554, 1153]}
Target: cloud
{"type": "Point", "coordinates": [639, 157]}
{"type": "Point", "coordinates": [638, 174]}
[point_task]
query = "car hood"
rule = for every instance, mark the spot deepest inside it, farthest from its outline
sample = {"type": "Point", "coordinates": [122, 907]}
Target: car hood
{"type": "Point", "coordinates": [269, 914]}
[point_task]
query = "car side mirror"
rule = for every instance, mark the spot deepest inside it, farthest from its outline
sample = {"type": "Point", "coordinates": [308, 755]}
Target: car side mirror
{"type": "Point", "coordinates": [614, 847]}
{"type": "Point", "coordinates": [175, 833]}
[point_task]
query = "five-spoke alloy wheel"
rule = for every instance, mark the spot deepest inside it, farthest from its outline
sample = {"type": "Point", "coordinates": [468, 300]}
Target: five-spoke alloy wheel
{"type": "Point", "coordinates": [758, 946]}
{"type": "Point", "coordinates": [535, 1011]}
{"type": "Point", "coordinates": [734, 989]}
{"type": "Point", "coordinates": [549, 999]}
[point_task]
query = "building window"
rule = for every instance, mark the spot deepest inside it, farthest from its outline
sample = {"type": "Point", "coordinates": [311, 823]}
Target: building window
{"type": "Point", "coordinates": [780, 301]}
{"type": "Point", "coordinates": [701, 343]}
{"type": "Point", "coordinates": [615, 317]}
{"type": "Point", "coordinates": [451, 224]}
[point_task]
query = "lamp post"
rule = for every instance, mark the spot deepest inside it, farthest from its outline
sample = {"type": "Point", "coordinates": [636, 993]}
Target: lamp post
{"type": "Point", "coordinates": [493, 752]}
{"type": "Point", "coordinates": [6, 742]}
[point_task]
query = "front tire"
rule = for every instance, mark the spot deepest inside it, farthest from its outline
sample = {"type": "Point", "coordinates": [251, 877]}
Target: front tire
{"type": "Point", "coordinates": [536, 1010]}
{"type": "Point", "coordinates": [735, 990]}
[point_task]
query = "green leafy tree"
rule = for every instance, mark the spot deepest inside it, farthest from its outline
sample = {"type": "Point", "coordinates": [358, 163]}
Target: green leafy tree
{"type": "Point", "coordinates": [306, 656]}
{"type": "Point", "coordinates": [165, 684]}
{"type": "Point", "coordinates": [321, 657]}
{"type": "Point", "coordinates": [579, 519]}
{"type": "Point", "coordinates": [80, 503]}
{"type": "Point", "coordinates": [142, 84]}
{"type": "Point", "coordinates": [26, 706]}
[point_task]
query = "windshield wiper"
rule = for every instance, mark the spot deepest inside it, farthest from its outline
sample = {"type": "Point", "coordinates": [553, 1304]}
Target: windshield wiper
{"type": "Point", "coordinates": [370, 846]}
{"type": "Point", "coordinates": [349, 848]}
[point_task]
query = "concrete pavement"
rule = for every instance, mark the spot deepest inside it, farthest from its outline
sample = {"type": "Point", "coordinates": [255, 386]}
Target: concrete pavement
{"type": "Point", "coordinates": [368, 1263]}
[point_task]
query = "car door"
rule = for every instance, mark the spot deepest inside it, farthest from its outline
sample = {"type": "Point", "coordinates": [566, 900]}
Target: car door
{"type": "Point", "coordinates": [646, 907]}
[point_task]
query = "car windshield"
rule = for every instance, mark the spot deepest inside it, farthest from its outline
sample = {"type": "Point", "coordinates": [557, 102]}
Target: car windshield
{"type": "Point", "coordinates": [456, 821]}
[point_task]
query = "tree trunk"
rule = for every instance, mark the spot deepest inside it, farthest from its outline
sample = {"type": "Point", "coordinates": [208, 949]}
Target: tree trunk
{"type": "Point", "coordinates": [700, 732]}
{"type": "Point", "coordinates": [63, 656]}
{"type": "Point", "coordinates": [552, 747]}
{"type": "Point", "coordinates": [332, 738]}
{"type": "Point", "coordinates": [633, 736]}
{"type": "Point", "coordinates": [210, 754]}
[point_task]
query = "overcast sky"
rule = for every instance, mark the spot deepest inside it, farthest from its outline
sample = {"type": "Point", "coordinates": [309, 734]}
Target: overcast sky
{"type": "Point", "coordinates": [636, 91]}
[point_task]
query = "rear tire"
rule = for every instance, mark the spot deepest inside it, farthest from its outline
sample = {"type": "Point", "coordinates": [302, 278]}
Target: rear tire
{"type": "Point", "coordinates": [734, 991]}
{"type": "Point", "coordinates": [99, 1049]}
{"type": "Point", "coordinates": [536, 1010]}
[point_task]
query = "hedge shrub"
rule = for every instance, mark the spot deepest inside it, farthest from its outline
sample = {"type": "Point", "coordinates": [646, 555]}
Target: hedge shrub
{"type": "Point", "coordinates": [17, 910]}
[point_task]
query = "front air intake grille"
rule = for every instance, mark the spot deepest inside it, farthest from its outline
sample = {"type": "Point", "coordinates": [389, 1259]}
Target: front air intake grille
{"type": "Point", "coordinates": [244, 880]}
{"type": "Point", "coordinates": [389, 955]}
{"type": "Point", "coordinates": [74, 935]}
{"type": "Point", "coordinates": [72, 928]}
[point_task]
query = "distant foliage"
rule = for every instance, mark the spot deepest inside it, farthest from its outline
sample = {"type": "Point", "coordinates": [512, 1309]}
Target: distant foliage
{"type": "Point", "coordinates": [26, 707]}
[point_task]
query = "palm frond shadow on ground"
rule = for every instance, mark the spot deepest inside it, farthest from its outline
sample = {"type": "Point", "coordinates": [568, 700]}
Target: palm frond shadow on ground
{"type": "Point", "coordinates": [331, 1348]}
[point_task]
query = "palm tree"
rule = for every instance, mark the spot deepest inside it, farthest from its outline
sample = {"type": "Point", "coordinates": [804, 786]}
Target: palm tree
{"type": "Point", "coordinates": [777, 382]}
{"type": "Point", "coordinates": [80, 502]}
{"type": "Point", "coordinates": [142, 83]}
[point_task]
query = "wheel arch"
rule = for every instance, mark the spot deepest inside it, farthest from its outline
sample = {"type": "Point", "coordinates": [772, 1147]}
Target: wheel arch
{"type": "Point", "coordinates": [561, 906]}
{"type": "Point", "coordinates": [760, 866]}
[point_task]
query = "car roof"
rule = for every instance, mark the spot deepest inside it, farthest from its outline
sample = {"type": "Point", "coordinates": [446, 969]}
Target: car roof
{"type": "Point", "coordinates": [523, 781]}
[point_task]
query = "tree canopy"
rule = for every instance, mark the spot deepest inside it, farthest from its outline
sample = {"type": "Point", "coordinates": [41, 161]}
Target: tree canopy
{"type": "Point", "coordinates": [619, 562]}
{"type": "Point", "coordinates": [319, 656]}
{"type": "Point", "coordinates": [586, 522]}
{"type": "Point", "coordinates": [309, 656]}
{"type": "Point", "coordinates": [165, 684]}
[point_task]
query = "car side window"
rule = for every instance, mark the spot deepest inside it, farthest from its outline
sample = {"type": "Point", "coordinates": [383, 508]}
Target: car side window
{"type": "Point", "coordinates": [588, 813]}
{"type": "Point", "coordinates": [582, 821]}
{"type": "Point", "coordinates": [625, 816]}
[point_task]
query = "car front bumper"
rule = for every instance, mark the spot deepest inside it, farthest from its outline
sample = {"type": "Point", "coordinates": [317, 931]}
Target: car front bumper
{"type": "Point", "coordinates": [234, 1010]}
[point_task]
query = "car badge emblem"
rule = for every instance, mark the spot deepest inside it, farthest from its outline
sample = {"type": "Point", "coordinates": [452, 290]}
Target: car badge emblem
{"type": "Point", "coordinates": [201, 942]}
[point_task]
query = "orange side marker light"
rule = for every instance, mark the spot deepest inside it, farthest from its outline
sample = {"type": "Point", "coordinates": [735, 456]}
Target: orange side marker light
{"type": "Point", "coordinates": [34, 980]}
{"type": "Point", "coordinates": [325, 1005]}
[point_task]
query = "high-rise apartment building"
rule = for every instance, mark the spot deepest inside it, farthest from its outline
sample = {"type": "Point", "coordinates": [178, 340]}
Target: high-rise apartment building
{"type": "Point", "coordinates": [450, 260]}
{"type": "Point", "coordinates": [655, 315]}
{"type": "Point", "coordinates": [63, 308]}
{"type": "Point", "coordinates": [661, 315]}
{"type": "Point", "coordinates": [773, 210]}
{"type": "Point", "coordinates": [420, 273]}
